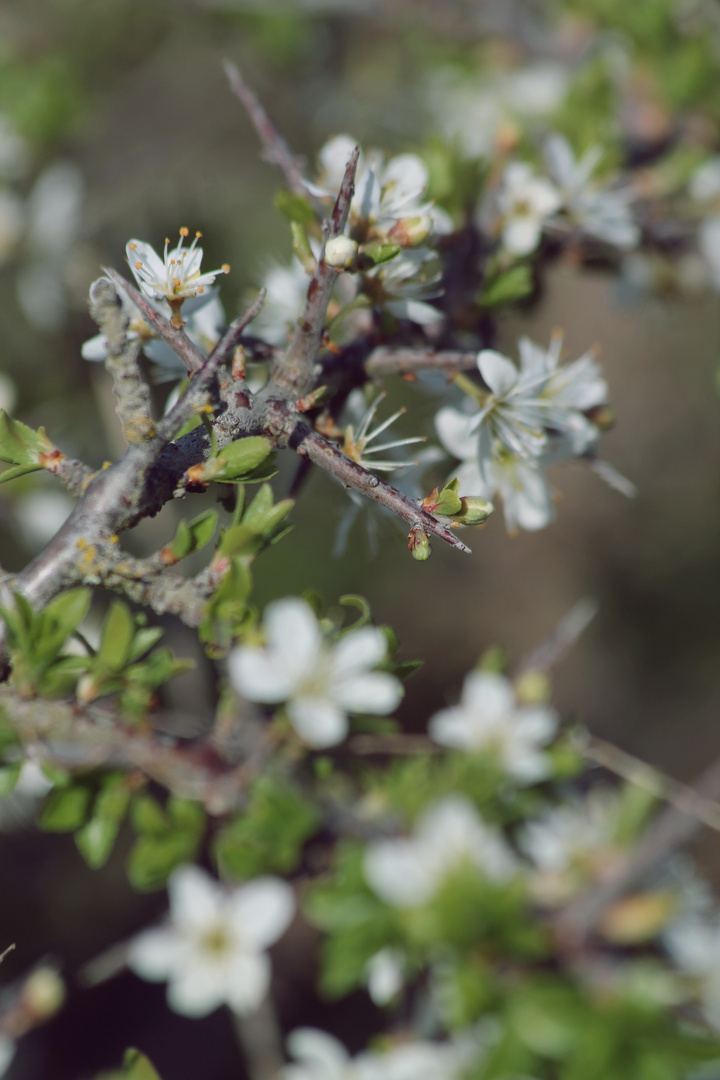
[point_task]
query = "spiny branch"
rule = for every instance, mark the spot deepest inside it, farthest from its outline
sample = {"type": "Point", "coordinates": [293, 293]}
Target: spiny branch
{"type": "Point", "coordinates": [386, 360]}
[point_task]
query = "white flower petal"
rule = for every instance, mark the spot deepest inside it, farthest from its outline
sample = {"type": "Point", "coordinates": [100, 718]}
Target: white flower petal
{"type": "Point", "coordinates": [259, 675]}
{"type": "Point", "coordinates": [357, 651]}
{"type": "Point", "coordinates": [499, 373]}
{"type": "Point", "coordinates": [453, 428]}
{"type": "Point", "coordinates": [319, 722]}
{"type": "Point", "coordinates": [195, 992]}
{"type": "Point", "coordinates": [293, 635]}
{"type": "Point", "coordinates": [397, 872]}
{"type": "Point", "coordinates": [261, 911]}
{"type": "Point", "coordinates": [376, 692]}
{"type": "Point", "coordinates": [196, 900]}
{"type": "Point", "coordinates": [488, 693]}
{"type": "Point", "coordinates": [152, 955]}
{"type": "Point", "coordinates": [323, 1052]}
{"type": "Point", "coordinates": [249, 983]}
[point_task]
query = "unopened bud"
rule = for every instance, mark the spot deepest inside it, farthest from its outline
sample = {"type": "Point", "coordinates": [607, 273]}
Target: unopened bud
{"type": "Point", "coordinates": [533, 687]}
{"type": "Point", "coordinates": [411, 231]}
{"type": "Point", "coordinates": [340, 252]}
{"type": "Point", "coordinates": [43, 993]}
{"type": "Point", "coordinates": [474, 510]}
{"type": "Point", "coordinates": [419, 545]}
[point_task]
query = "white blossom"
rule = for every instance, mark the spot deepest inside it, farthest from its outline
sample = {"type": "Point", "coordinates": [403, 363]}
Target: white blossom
{"type": "Point", "coordinates": [320, 682]}
{"type": "Point", "coordinates": [357, 439]}
{"type": "Point", "coordinates": [489, 718]}
{"type": "Point", "coordinates": [285, 291]}
{"type": "Point", "coordinates": [319, 1056]}
{"type": "Point", "coordinates": [213, 951]}
{"type": "Point", "coordinates": [525, 202]}
{"type": "Point", "coordinates": [408, 281]}
{"type": "Point", "coordinates": [174, 277]}
{"type": "Point", "coordinates": [601, 212]}
{"type": "Point", "coordinates": [386, 193]}
{"type": "Point", "coordinates": [407, 872]}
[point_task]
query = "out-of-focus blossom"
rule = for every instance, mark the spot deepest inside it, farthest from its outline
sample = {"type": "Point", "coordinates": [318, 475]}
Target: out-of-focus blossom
{"type": "Point", "coordinates": [319, 1056]}
{"type": "Point", "coordinates": [605, 213]}
{"type": "Point", "coordinates": [450, 834]}
{"type": "Point", "coordinates": [525, 202]}
{"type": "Point", "coordinates": [213, 951]}
{"type": "Point", "coordinates": [385, 975]}
{"type": "Point", "coordinates": [488, 718]}
{"type": "Point", "coordinates": [319, 682]}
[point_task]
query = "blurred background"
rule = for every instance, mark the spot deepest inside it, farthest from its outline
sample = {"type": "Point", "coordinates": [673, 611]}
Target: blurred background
{"type": "Point", "coordinates": [116, 121]}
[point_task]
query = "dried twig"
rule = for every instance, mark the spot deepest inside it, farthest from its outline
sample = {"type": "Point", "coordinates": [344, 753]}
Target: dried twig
{"type": "Point", "coordinates": [388, 361]}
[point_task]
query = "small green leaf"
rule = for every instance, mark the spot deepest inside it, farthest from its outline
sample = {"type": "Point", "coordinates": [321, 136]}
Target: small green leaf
{"type": "Point", "coordinates": [380, 253]}
{"type": "Point", "coordinates": [95, 840]}
{"type": "Point", "coordinates": [116, 640]}
{"type": "Point", "coordinates": [137, 1067]}
{"type": "Point", "coordinates": [20, 444]}
{"type": "Point", "coordinates": [65, 809]}
{"type": "Point", "coordinates": [294, 207]}
{"type": "Point", "coordinates": [17, 471]}
{"type": "Point", "coordinates": [193, 535]}
{"type": "Point", "coordinates": [513, 284]}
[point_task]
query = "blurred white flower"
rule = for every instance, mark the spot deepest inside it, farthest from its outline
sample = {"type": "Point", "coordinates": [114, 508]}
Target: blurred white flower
{"type": "Point", "coordinates": [601, 212]}
{"type": "Point", "coordinates": [476, 114]}
{"type": "Point", "coordinates": [286, 289]}
{"type": "Point", "coordinates": [213, 951]}
{"type": "Point", "coordinates": [525, 202]}
{"type": "Point", "coordinates": [385, 975]}
{"type": "Point", "coordinates": [358, 437]}
{"type": "Point", "coordinates": [319, 682]}
{"type": "Point", "coordinates": [488, 718]}
{"type": "Point", "coordinates": [407, 282]}
{"type": "Point", "coordinates": [319, 1056]}
{"type": "Point", "coordinates": [407, 872]}
{"type": "Point", "coordinates": [572, 844]}
{"type": "Point", "coordinates": [177, 275]}
{"type": "Point", "coordinates": [385, 194]}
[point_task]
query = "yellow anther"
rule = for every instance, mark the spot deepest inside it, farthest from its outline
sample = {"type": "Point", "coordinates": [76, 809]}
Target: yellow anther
{"type": "Point", "coordinates": [198, 234]}
{"type": "Point", "coordinates": [184, 231]}
{"type": "Point", "coordinates": [132, 246]}
{"type": "Point", "coordinates": [225, 268]}
{"type": "Point", "coordinates": [138, 265]}
{"type": "Point", "coordinates": [167, 239]}
{"type": "Point", "coordinates": [201, 288]}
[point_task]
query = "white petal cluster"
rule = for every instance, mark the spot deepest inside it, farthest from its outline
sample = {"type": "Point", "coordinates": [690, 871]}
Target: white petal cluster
{"type": "Point", "coordinates": [531, 417]}
{"type": "Point", "coordinates": [450, 834]}
{"type": "Point", "coordinates": [488, 718]}
{"type": "Point", "coordinates": [572, 844]}
{"type": "Point", "coordinates": [212, 952]}
{"type": "Point", "coordinates": [387, 193]}
{"type": "Point", "coordinates": [174, 277]}
{"type": "Point", "coordinates": [525, 202]}
{"type": "Point", "coordinates": [407, 282]}
{"type": "Point", "coordinates": [319, 1056]}
{"type": "Point", "coordinates": [605, 213]}
{"type": "Point", "coordinates": [320, 682]}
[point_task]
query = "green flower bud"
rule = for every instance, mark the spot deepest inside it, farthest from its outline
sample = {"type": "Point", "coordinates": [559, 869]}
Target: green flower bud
{"type": "Point", "coordinates": [419, 545]}
{"type": "Point", "coordinates": [340, 252]}
{"type": "Point", "coordinates": [474, 510]}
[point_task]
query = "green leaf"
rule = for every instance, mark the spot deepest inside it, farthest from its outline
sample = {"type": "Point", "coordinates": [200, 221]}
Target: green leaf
{"type": "Point", "coordinates": [65, 809]}
{"type": "Point", "coordinates": [294, 207]}
{"type": "Point", "coordinates": [236, 462]}
{"type": "Point", "coordinates": [380, 253]}
{"type": "Point", "coordinates": [167, 839]}
{"type": "Point", "coordinates": [95, 840]}
{"type": "Point", "coordinates": [448, 501]}
{"type": "Point", "coordinates": [17, 471]}
{"type": "Point", "coordinates": [269, 835]}
{"type": "Point", "coordinates": [116, 640]}
{"type": "Point", "coordinates": [193, 535]}
{"type": "Point", "coordinates": [510, 285]}
{"type": "Point", "coordinates": [137, 1067]}
{"type": "Point", "coordinates": [20, 444]}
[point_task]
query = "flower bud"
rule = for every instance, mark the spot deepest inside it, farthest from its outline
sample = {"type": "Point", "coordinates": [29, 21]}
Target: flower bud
{"type": "Point", "coordinates": [411, 231]}
{"type": "Point", "coordinates": [340, 252]}
{"type": "Point", "coordinates": [474, 510]}
{"type": "Point", "coordinates": [419, 545]}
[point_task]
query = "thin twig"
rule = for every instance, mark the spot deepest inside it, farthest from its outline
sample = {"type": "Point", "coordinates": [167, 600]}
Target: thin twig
{"type": "Point", "coordinates": [347, 472]}
{"type": "Point", "coordinates": [277, 151]}
{"type": "Point", "coordinates": [386, 360]}
{"type": "Point", "coordinates": [551, 651]}
{"type": "Point", "coordinates": [294, 370]}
